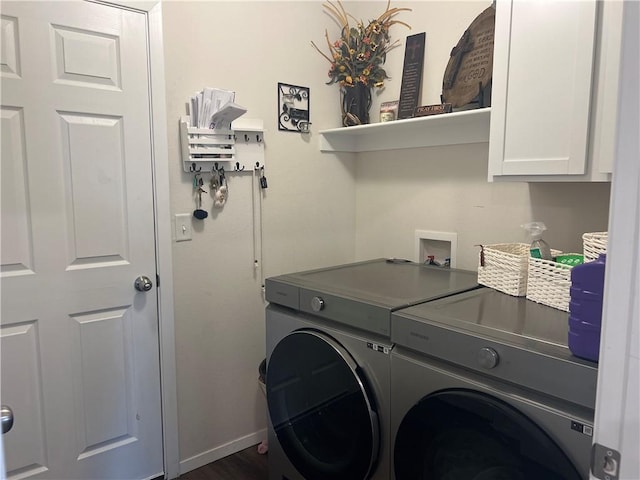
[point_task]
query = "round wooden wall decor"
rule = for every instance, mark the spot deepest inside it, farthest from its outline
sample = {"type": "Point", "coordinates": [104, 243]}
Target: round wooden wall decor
{"type": "Point", "coordinates": [471, 62]}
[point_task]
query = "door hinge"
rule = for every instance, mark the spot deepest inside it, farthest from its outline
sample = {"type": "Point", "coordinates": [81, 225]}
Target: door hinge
{"type": "Point", "coordinates": [605, 462]}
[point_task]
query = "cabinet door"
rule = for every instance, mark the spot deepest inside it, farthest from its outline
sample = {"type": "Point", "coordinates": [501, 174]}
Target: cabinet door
{"type": "Point", "coordinates": [543, 63]}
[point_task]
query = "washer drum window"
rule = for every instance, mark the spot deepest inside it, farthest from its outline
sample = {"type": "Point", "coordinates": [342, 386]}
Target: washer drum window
{"type": "Point", "coordinates": [320, 408]}
{"type": "Point", "coordinates": [462, 434]}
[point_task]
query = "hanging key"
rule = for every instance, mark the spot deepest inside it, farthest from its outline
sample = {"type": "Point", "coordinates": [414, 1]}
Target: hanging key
{"type": "Point", "coordinates": [198, 212]}
{"type": "Point", "coordinates": [214, 182]}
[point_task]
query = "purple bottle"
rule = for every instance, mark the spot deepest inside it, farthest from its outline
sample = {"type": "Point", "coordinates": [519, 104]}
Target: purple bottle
{"type": "Point", "coordinates": [585, 308]}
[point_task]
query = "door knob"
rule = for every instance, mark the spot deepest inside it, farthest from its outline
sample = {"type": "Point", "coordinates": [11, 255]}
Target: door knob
{"type": "Point", "coordinates": [7, 419]}
{"type": "Point", "coordinates": [143, 284]}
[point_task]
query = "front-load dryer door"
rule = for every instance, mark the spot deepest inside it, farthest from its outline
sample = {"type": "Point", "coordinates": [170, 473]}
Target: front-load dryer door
{"type": "Point", "coordinates": [321, 409]}
{"type": "Point", "coordinates": [468, 435]}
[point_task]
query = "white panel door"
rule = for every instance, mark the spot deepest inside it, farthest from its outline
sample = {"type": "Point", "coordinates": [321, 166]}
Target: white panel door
{"type": "Point", "coordinates": [79, 345]}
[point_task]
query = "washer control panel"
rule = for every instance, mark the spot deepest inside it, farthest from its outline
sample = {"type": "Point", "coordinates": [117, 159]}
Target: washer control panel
{"type": "Point", "coordinates": [346, 311]}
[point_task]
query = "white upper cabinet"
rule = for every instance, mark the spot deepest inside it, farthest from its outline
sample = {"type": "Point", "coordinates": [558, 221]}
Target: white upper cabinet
{"type": "Point", "coordinates": [554, 96]}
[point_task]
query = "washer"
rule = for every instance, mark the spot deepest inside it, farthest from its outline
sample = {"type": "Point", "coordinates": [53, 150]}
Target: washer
{"type": "Point", "coordinates": [328, 368]}
{"type": "Point", "coordinates": [484, 387]}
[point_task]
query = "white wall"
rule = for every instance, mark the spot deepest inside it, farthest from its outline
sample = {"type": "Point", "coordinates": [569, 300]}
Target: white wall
{"type": "Point", "coordinates": [308, 221]}
{"type": "Point", "coordinates": [445, 188]}
{"type": "Point", "coordinates": [319, 209]}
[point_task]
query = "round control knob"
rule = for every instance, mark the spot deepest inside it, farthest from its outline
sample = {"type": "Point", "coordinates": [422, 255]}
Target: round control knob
{"type": "Point", "coordinates": [317, 304]}
{"type": "Point", "coordinates": [488, 358]}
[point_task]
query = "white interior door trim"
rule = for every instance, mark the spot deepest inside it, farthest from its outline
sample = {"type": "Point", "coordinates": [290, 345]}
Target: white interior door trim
{"type": "Point", "coordinates": [163, 246]}
{"type": "Point", "coordinates": [616, 416]}
{"type": "Point", "coordinates": [153, 10]}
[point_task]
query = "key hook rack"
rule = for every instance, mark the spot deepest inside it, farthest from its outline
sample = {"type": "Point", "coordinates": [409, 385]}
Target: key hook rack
{"type": "Point", "coordinates": [203, 149]}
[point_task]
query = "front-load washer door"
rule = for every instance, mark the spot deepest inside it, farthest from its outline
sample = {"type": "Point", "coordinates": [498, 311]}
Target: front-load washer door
{"type": "Point", "coordinates": [465, 434]}
{"type": "Point", "coordinates": [321, 409]}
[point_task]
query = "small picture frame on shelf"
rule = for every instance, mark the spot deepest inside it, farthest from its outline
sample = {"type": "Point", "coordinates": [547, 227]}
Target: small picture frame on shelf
{"type": "Point", "coordinates": [293, 108]}
{"type": "Point", "coordinates": [388, 111]}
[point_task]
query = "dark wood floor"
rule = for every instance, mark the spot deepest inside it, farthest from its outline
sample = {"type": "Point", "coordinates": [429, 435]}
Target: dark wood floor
{"type": "Point", "coordinates": [247, 464]}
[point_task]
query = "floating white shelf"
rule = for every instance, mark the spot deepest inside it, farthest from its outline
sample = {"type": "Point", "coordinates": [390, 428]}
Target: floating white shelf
{"type": "Point", "coordinates": [468, 126]}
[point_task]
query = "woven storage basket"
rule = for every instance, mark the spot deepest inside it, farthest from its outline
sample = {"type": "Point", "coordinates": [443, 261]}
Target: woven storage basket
{"type": "Point", "coordinates": [505, 267]}
{"type": "Point", "coordinates": [549, 283]}
{"type": "Point", "coordinates": [594, 244]}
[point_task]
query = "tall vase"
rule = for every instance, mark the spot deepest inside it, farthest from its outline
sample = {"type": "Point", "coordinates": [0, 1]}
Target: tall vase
{"type": "Point", "coordinates": [356, 102]}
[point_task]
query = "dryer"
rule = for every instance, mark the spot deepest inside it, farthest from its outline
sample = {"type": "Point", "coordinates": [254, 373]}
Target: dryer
{"type": "Point", "coordinates": [328, 369]}
{"type": "Point", "coordinates": [484, 388]}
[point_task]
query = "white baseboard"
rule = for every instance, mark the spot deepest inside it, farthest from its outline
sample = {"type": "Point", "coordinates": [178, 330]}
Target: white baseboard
{"type": "Point", "coordinates": [222, 451]}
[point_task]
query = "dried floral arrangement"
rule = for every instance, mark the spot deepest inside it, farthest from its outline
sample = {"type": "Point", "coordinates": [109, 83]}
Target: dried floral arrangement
{"type": "Point", "coordinates": [358, 56]}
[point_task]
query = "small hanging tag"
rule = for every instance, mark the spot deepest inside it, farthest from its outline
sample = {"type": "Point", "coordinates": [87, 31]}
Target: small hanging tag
{"type": "Point", "coordinates": [263, 179]}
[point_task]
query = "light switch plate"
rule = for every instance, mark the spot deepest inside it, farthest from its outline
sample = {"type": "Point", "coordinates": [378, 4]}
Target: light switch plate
{"type": "Point", "coordinates": [183, 227]}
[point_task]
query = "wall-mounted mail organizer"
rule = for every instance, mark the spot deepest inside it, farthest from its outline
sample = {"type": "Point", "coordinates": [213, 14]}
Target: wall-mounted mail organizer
{"type": "Point", "coordinates": [240, 148]}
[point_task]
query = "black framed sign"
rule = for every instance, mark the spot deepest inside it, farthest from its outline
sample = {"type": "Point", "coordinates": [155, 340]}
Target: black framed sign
{"type": "Point", "coordinates": [293, 108]}
{"type": "Point", "coordinates": [411, 75]}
